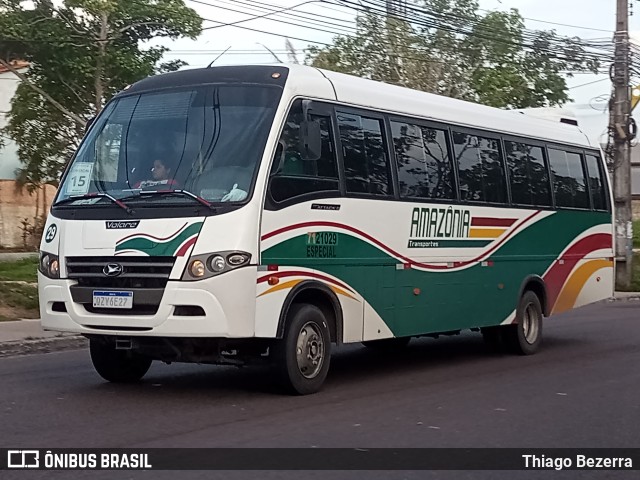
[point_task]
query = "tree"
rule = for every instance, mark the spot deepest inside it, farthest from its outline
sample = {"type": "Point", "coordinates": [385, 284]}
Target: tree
{"type": "Point", "coordinates": [450, 49]}
{"type": "Point", "coordinates": [81, 53]}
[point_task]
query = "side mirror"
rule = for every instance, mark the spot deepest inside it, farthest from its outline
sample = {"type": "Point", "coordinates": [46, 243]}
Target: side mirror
{"type": "Point", "coordinates": [310, 140]}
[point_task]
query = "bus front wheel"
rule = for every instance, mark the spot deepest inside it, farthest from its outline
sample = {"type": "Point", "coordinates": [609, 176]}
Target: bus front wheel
{"type": "Point", "coordinates": [117, 366]}
{"type": "Point", "coordinates": [525, 336]}
{"type": "Point", "coordinates": [303, 354]}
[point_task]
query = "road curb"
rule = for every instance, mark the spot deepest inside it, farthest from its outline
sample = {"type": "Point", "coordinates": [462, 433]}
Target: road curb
{"type": "Point", "coordinates": [43, 345]}
{"type": "Point", "coordinates": [625, 296]}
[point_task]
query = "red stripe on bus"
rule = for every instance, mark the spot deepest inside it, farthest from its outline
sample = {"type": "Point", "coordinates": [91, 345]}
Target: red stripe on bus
{"type": "Point", "coordinates": [304, 274]}
{"type": "Point", "coordinates": [557, 275]}
{"type": "Point", "coordinates": [492, 222]}
{"type": "Point", "coordinates": [185, 246]}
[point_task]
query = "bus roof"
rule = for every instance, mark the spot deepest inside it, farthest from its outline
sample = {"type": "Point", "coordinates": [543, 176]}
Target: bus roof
{"type": "Point", "coordinates": [392, 98]}
{"type": "Point", "coordinates": [315, 83]}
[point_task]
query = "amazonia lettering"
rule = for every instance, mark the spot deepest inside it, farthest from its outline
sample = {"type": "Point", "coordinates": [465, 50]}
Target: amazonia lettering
{"type": "Point", "coordinates": [440, 223]}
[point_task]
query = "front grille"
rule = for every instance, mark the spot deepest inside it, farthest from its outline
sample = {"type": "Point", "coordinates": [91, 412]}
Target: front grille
{"type": "Point", "coordinates": [137, 272]}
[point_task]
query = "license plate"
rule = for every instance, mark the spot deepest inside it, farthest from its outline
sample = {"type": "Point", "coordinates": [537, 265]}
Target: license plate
{"type": "Point", "coordinates": [112, 299]}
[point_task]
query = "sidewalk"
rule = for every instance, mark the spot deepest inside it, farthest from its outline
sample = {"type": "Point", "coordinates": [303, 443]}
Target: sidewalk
{"type": "Point", "coordinates": [21, 337]}
{"type": "Point", "coordinates": [13, 256]}
{"type": "Point", "coordinates": [25, 330]}
{"type": "Point", "coordinates": [626, 296]}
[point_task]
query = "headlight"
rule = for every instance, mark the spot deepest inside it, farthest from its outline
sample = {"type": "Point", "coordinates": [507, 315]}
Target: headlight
{"type": "Point", "coordinates": [210, 264]}
{"type": "Point", "coordinates": [196, 269]}
{"type": "Point", "coordinates": [217, 264]}
{"type": "Point", "coordinates": [49, 265]}
{"type": "Point", "coordinates": [236, 259]}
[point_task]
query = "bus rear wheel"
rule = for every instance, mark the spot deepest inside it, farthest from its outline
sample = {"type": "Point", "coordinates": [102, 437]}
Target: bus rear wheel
{"type": "Point", "coordinates": [525, 336]}
{"type": "Point", "coordinates": [303, 355]}
{"type": "Point", "coordinates": [117, 366]}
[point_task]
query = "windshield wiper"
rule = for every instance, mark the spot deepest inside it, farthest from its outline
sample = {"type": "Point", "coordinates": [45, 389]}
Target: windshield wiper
{"type": "Point", "coordinates": [73, 198]}
{"type": "Point", "coordinates": [186, 193]}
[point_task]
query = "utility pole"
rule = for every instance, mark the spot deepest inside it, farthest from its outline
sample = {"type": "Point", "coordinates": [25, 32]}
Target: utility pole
{"type": "Point", "coordinates": [619, 124]}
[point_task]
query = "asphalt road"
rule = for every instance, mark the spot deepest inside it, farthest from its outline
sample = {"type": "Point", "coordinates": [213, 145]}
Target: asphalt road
{"type": "Point", "coordinates": [581, 390]}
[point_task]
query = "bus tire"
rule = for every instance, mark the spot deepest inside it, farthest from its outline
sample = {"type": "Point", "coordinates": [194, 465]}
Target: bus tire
{"type": "Point", "coordinates": [117, 366]}
{"type": "Point", "coordinates": [387, 344]}
{"type": "Point", "coordinates": [525, 336]}
{"type": "Point", "coordinates": [303, 355]}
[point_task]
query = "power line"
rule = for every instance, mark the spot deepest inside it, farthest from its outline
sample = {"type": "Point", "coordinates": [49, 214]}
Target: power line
{"type": "Point", "coordinates": [263, 31]}
{"type": "Point", "coordinates": [264, 14]}
{"type": "Point", "coordinates": [589, 83]}
{"type": "Point", "coordinates": [558, 24]}
{"type": "Point", "coordinates": [264, 17]}
{"type": "Point", "coordinates": [531, 40]}
{"type": "Point", "coordinates": [376, 7]}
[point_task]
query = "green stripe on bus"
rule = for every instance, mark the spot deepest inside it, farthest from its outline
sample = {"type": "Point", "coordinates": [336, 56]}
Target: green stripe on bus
{"type": "Point", "coordinates": [472, 297]}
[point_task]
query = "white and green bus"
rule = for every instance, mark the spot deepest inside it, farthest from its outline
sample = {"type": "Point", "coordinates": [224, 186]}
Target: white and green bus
{"type": "Point", "coordinates": [251, 214]}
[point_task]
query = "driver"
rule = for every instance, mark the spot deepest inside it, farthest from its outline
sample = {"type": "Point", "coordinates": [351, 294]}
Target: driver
{"type": "Point", "coordinates": [160, 176]}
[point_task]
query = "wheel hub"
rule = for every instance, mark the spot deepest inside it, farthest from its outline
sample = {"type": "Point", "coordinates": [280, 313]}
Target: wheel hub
{"type": "Point", "coordinates": [310, 350]}
{"type": "Point", "coordinates": [530, 324]}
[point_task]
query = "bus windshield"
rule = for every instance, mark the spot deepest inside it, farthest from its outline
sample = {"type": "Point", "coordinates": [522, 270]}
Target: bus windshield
{"type": "Point", "coordinates": [205, 140]}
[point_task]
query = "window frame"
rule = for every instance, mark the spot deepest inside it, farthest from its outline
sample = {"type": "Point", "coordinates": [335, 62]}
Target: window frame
{"type": "Point", "coordinates": [391, 163]}
{"type": "Point", "coordinates": [322, 109]}
{"type": "Point", "coordinates": [491, 136]}
{"type": "Point", "coordinates": [578, 151]}
{"type": "Point", "coordinates": [603, 176]}
{"type": "Point", "coordinates": [443, 127]}
{"type": "Point", "coordinates": [533, 143]}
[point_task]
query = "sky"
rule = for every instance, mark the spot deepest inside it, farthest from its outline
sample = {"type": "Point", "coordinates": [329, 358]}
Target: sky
{"type": "Point", "coordinates": [319, 21]}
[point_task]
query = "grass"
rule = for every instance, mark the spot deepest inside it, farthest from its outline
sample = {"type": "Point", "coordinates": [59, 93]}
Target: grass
{"type": "Point", "coordinates": [19, 300]}
{"type": "Point", "coordinates": [19, 296]}
{"type": "Point", "coordinates": [635, 278]}
{"type": "Point", "coordinates": [636, 234]}
{"type": "Point", "coordinates": [20, 270]}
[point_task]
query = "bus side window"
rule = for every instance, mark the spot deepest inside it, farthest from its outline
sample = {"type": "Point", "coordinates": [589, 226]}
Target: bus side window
{"type": "Point", "coordinates": [568, 179]}
{"type": "Point", "coordinates": [424, 164]}
{"type": "Point", "coordinates": [528, 174]}
{"type": "Point", "coordinates": [596, 183]}
{"type": "Point", "coordinates": [291, 176]}
{"type": "Point", "coordinates": [365, 159]}
{"type": "Point", "coordinates": [482, 176]}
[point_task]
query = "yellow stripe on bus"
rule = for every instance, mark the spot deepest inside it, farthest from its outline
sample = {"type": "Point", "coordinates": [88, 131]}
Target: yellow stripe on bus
{"type": "Point", "coordinates": [486, 232]}
{"type": "Point", "coordinates": [281, 286]}
{"type": "Point", "coordinates": [572, 288]}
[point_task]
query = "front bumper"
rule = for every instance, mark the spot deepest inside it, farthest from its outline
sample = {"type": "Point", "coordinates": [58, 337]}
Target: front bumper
{"type": "Point", "coordinates": [228, 301]}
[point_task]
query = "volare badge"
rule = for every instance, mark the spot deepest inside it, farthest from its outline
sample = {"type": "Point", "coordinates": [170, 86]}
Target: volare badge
{"type": "Point", "coordinates": [117, 225]}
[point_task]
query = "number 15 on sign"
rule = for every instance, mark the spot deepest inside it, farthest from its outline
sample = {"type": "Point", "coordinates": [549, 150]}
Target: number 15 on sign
{"type": "Point", "coordinates": [79, 179]}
